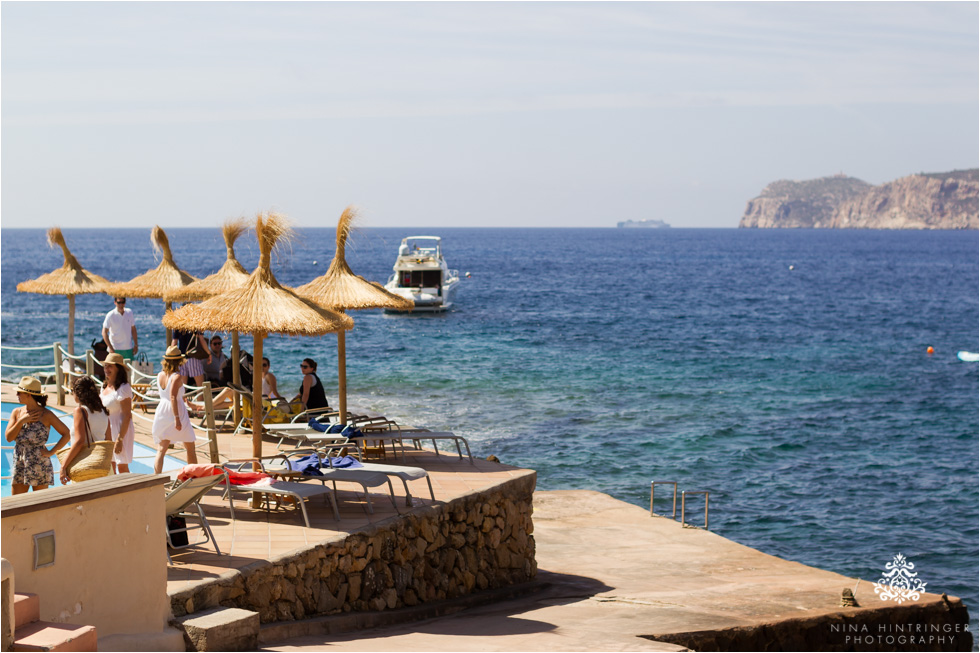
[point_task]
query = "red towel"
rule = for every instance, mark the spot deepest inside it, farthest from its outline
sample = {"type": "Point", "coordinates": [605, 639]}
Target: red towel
{"type": "Point", "coordinates": [236, 478]}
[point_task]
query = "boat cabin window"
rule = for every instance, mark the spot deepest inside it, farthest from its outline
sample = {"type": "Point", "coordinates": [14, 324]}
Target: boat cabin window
{"type": "Point", "coordinates": [420, 279]}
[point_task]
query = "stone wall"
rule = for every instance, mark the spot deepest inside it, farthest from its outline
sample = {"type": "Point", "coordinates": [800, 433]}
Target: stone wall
{"type": "Point", "coordinates": [477, 541]}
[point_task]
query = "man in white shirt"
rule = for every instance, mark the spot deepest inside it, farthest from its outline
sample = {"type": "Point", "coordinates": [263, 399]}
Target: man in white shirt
{"type": "Point", "coordinates": [119, 330]}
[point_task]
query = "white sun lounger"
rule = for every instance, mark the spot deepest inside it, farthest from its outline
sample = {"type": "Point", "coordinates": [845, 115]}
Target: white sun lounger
{"type": "Point", "coordinates": [279, 465]}
{"type": "Point", "coordinates": [402, 472]}
{"type": "Point", "coordinates": [302, 435]}
{"type": "Point", "coordinates": [299, 491]}
{"type": "Point", "coordinates": [394, 438]}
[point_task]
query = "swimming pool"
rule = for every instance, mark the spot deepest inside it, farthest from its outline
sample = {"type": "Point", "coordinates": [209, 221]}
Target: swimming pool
{"type": "Point", "coordinates": [142, 454]}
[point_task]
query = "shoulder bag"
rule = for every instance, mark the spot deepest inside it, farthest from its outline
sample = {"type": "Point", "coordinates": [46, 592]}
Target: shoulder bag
{"type": "Point", "coordinates": [194, 349]}
{"type": "Point", "coordinates": [142, 364]}
{"type": "Point", "coordinates": [94, 461]}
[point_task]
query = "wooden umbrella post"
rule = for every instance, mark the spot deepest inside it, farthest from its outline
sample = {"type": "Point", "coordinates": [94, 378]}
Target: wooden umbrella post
{"type": "Point", "coordinates": [71, 325]}
{"type": "Point", "coordinates": [256, 408]}
{"type": "Point", "coordinates": [342, 375]}
{"type": "Point", "coordinates": [170, 334]}
{"type": "Point", "coordinates": [212, 432]}
{"type": "Point", "coordinates": [236, 376]}
{"type": "Point", "coordinates": [257, 395]}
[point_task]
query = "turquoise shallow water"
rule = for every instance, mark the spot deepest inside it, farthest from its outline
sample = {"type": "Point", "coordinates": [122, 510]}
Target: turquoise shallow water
{"type": "Point", "coordinates": [803, 399]}
{"type": "Point", "coordinates": [142, 455]}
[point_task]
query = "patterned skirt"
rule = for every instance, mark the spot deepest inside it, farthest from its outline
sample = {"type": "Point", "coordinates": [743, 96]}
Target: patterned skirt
{"type": "Point", "coordinates": [32, 464]}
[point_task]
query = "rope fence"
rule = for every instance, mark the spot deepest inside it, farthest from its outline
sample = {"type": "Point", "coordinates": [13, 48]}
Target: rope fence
{"type": "Point", "coordinates": [66, 367]}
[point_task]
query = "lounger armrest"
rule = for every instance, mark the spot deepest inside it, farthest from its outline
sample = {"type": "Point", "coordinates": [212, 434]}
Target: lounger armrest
{"type": "Point", "coordinates": [237, 463]}
{"type": "Point", "coordinates": [315, 412]}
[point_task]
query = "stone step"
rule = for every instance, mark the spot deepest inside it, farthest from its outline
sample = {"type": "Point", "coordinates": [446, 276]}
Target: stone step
{"type": "Point", "coordinates": [221, 629]}
{"type": "Point", "coordinates": [50, 636]}
{"type": "Point", "coordinates": [27, 608]}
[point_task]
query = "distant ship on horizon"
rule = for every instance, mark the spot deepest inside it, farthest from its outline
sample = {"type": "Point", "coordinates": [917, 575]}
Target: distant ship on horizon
{"type": "Point", "coordinates": [643, 224]}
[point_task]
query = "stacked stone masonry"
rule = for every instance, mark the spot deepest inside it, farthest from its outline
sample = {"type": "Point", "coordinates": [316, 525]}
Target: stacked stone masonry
{"type": "Point", "coordinates": [475, 542]}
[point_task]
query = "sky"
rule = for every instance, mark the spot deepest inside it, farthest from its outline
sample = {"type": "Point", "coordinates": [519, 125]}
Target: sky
{"type": "Point", "coordinates": [500, 114]}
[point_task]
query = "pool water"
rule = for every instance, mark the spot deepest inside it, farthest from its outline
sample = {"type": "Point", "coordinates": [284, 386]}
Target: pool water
{"type": "Point", "coordinates": [142, 454]}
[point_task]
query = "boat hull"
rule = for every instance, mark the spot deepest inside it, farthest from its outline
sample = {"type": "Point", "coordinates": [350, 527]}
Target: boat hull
{"type": "Point", "coordinates": [427, 300]}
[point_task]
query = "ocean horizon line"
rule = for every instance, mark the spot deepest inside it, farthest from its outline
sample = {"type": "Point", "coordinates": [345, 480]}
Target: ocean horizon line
{"type": "Point", "coordinates": [333, 228]}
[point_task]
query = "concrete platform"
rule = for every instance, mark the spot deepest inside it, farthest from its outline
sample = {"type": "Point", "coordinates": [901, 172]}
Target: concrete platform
{"type": "Point", "coordinates": [612, 578]}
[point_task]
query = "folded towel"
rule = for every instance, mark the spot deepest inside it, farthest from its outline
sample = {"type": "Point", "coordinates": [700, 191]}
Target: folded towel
{"type": "Point", "coordinates": [197, 471]}
{"type": "Point", "coordinates": [317, 426]}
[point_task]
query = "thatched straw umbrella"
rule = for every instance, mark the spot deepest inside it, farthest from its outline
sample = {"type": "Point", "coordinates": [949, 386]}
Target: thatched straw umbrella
{"type": "Point", "coordinates": [341, 289]}
{"type": "Point", "coordinates": [260, 306]}
{"type": "Point", "coordinates": [70, 279]}
{"type": "Point", "coordinates": [231, 275]}
{"type": "Point", "coordinates": [159, 281]}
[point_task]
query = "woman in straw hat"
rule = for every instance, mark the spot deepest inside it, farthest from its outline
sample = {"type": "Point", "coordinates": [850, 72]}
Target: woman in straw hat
{"type": "Point", "coordinates": [29, 425]}
{"type": "Point", "coordinates": [171, 423]}
{"type": "Point", "coordinates": [91, 421]}
{"type": "Point", "coordinates": [117, 396]}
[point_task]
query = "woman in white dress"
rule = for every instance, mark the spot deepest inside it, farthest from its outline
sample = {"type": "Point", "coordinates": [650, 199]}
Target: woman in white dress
{"type": "Point", "coordinates": [91, 421]}
{"type": "Point", "coordinates": [171, 423]}
{"type": "Point", "coordinates": [117, 397]}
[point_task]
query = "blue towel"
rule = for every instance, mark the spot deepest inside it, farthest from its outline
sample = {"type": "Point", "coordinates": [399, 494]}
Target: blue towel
{"type": "Point", "coordinates": [328, 428]}
{"type": "Point", "coordinates": [346, 462]}
{"type": "Point", "coordinates": [309, 465]}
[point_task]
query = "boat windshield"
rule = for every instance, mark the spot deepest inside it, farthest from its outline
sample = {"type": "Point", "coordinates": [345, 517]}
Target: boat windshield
{"type": "Point", "coordinates": [422, 246]}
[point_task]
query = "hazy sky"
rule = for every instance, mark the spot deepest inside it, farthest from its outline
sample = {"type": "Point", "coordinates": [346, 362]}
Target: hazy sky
{"type": "Point", "coordinates": [469, 114]}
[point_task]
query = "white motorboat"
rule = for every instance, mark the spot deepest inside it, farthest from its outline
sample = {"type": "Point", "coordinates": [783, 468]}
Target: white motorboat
{"type": "Point", "coordinates": [421, 274]}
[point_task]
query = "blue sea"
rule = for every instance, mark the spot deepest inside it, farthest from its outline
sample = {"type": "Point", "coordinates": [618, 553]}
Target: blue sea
{"type": "Point", "coordinates": [784, 371]}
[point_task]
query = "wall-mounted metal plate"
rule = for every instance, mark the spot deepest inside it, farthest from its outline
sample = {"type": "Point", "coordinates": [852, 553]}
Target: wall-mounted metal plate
{"type": "Point", "coordinates": [44, 549]}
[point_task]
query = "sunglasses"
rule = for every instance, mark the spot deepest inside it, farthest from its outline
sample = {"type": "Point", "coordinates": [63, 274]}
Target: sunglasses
{"type": "Point", "coordinates": [122, 302]}
{"type": "Point", "coordinates": [216, 342]}
{"type": "Point", "coordinates": [304, 366]}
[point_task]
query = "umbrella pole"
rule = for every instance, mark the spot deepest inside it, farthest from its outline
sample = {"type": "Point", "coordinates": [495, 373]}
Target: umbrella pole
{"type": "Point", "coordinates": [342, 375]}
{"type": "Point", "coordinates": [167, 307]}
{"type": "Point", "coordinates": [256, 406]}
{"type": "Point", "coordinates": [71, 335]}
{"type": "Point", "coordinates": [236, 375]}
{"type": "Point", "coordinates": [71, 325]}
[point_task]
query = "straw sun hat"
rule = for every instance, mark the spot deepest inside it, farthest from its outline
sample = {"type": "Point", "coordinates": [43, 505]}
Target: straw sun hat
{"type": "Point", "coordinates": [31, 386]}
{"type": "Point", "coordinates": [115, 358]}
{"type": "Point", "coordinates": [173, 353]}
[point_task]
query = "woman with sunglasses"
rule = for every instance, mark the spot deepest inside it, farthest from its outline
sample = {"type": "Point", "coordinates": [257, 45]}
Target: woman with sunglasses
{"type": "Point", "coordinates": [29, 425]}
{"type": "Point", "coordinates": [311, 392]}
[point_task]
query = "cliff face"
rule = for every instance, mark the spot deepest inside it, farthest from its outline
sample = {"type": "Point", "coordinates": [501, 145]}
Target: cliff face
{"type": "Point", "coordinates": [925, 201]}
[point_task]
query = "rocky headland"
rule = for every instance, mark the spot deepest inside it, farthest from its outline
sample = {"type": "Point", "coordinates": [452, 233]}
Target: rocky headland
{"type": "Point", "coordinates": [943, 200]}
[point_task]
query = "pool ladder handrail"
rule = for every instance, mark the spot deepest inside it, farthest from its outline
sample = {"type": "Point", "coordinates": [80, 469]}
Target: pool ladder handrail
{"type": "Point", "coordinates": [684, 494]}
